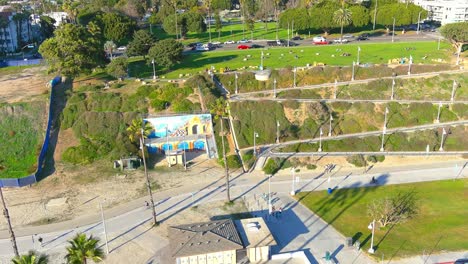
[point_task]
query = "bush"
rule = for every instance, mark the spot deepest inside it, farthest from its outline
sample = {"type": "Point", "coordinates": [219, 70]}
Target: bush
{"type": "Point", "coordinates": [357, 160]}
{"type": "Point", "coordinates": [372, 159]}
{"type": "Point", "coordinates": [311, 166]}
{"type": "Point", "coordinates": [158, 105]}
{"type": "Point", "coordinates": [271, 166]}
{"type": "Point", "coordinates": [380, 158]}
{"type": "Point", "coordinates": [233, 162]}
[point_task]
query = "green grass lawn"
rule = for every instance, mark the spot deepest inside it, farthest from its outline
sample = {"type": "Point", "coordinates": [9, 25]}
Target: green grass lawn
{"type": "Point", "coordinates": [440, 225]}
{"type": "Point", "coordinates": [297, 56]}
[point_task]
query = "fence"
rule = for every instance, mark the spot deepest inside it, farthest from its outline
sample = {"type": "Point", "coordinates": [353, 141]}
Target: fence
{"type": "Point", "coordinates": [28, 180]}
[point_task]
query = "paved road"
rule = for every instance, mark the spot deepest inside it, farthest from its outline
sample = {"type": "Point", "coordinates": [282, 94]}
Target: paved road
{"type": "Point", "coordinates": [324, 100]}
{"type": "Point", "coordinates": [242, 185]}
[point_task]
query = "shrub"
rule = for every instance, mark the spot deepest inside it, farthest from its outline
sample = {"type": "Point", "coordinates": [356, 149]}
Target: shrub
{"type": "Point", "coordinates": [271, 166]}
{"type": "Point", "coordinates": [158, 105]}
{"type": "Point", "coordinates": [183, 106]}
{"type": "Point", "coordinates": [372, 159]}
{"type": "Point", "coordinates": [233, 162]}
{"type": "Point", "coordinates": [311, 166]}
{"type": "Point", "coordinates": [380, 158]}
{"type": "Point", "coordinates": [357, 160]}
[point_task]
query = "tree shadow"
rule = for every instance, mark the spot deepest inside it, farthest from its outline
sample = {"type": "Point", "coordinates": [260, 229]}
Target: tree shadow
{"type": "Point", "coordinates": [58, 103]}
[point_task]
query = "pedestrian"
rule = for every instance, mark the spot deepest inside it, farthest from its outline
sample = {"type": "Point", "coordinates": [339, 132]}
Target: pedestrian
{"type": "Point", "coordinates": [40, 241]}
{"type": "Point", "coordinates": [146, 204]}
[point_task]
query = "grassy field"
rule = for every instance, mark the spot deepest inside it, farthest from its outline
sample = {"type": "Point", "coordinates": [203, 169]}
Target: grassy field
{"type": "Point", "coordinates": [297, 56]}
{"type": "Point", "coordinates": [21, 136]}
{"type": "Point", "coordinates": [440, 225]}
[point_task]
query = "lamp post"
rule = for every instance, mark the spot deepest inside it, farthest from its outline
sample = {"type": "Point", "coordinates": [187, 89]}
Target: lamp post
{"type": "Point", "coordinates": [393, 88]}
{"type": "Point", "coordinates": [104, 226]}
{"type": "Point", "coordinates": [393, 31]}
{"type": "Point", "coordinates": [375, 14]}
{"type": "Point", "coordinates": [330, 128]}
{"type": "Point", "coordinates": [442, 140]}
{"type": "Point", "coordinates": [384, 130]}
{"type": "Point", "coordinates": [419, 21]}
{"type": "Point", "coordinates": [438, 113]}
{"type": "Point", "coordinates": [148, 183]}
{"type": "Point", "coordinates": [320, 140]}
{"type": "Point", "coordinates": [277, 132]}
{"type": "Point", "coordinates": [269, 196]}
{"type": "Point", "coordinates": [454, 88]}
{"type": "Point", "coordinates": [255, 149]}
{"type": "Point", "coordinates": [352, 75]}
{"type": "Point", "coordinates": [409, 64]}
{"type": "Point", "coordinates": [371, 226]}
{"type": "Point", "coordinates": [261, 61]}
{"type": "Point", "coordinates": [237, 88]}
{"type": "Point", "coordinates": [154, 70]}
{"type": "Point", "coordinates": [185, 155]}
{"type": "Point", "coordinates": [274, 88]}
{"type": "Point", "coordinates": [295, 70]}
{"type": "Point", "coordinates": [438, 43]}
{"type": "Point", "coordinates": [358, 54]}
{"type": "Point", "coordinates": [334, 90]}
{"type": "Point", "coordinates": [293, 189]}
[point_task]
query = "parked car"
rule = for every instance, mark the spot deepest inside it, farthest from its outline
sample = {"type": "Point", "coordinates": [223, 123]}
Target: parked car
{"type": "Point", "coordinates": [296, 38]}
{"type": "Point", "coordinates": [364, 36]}
{"type": "Point", "coordinates": [229, 42]}
{"type": "Point", "coordinates": [122, 48]}
{"type": "Point", "coordinates": [319, 40]}
{"type": "Point", "coordinates": [243, 41]}
{"type": "Point", "coordinates": [348, 36]}
{"type": "Point", "coordinates": [216, 43]}
{"type": "Point", "coordinates": [256, 46]}
{"type": "Point", "coordinates": [340, 40]}
{"type": "Point", "coordinates": [243, 47]}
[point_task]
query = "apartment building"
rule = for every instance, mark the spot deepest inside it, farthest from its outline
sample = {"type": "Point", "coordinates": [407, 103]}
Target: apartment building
{"type": "Point", "coordinates": [445, 11]}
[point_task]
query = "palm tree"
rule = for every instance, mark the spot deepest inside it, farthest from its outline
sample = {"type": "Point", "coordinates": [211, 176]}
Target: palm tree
{"type": "Point", "coordinates": [243, 7]}
{"type": "Point", "coordinates": [134, 130]}
{"type": "Point", "coordinates": [32, 257]}
{"type": "Point", "coordinates": [342, 16]}
{"type": "Point", "coordinates": [83, 248]}
{"type": "Point", "coordinates": [109, 47]}
{"type": "Point", "coordinates": [219, 110]}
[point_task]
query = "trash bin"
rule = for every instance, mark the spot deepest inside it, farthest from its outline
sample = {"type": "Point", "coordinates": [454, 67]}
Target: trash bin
{"type": "Point", "coordinates": [349, 241]}
{"type": "Point", "coordinates": [329, 190]}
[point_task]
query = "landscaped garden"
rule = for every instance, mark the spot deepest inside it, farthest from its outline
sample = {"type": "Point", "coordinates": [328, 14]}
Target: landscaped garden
{"type": "Point", "coordinates": [22, 128]}
{"type": "Point", "coordinates": [439, 224]}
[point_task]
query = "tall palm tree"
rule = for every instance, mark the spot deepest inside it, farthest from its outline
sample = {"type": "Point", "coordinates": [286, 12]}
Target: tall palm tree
{"type": "Point", "coordinates": [109, 47]}
{"type": "Point", "coordinates": [342, 17]}
{"type": "Point", "coordinates": [134, 130]}
{"type": "Point", "coordinates": [32, 257]}
{"type": "Point", "coordinates": [83, 248]}
{"type": "Point", "coordinates": [219, 110]}
{"type": "Point", "coordinates": [243, 7]}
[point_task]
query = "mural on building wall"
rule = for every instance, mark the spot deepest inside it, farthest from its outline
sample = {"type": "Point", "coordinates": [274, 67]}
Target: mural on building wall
{"type": "Point", "coordinates": [184, 132]}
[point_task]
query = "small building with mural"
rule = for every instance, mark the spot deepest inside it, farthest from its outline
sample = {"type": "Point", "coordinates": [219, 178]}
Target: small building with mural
{"type": "Point", "coordinates": [182, 132]}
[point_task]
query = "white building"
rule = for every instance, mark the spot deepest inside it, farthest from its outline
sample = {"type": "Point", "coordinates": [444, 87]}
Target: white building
{"type": "Point", "coordinates": [445, 11]}
{"type": "Point", "coordinates": [9, 31]}
{"type": "Point", "coordinates": [59, 17]}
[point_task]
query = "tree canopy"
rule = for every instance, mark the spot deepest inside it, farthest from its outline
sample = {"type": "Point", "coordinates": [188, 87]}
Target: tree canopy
{"type": "Point", "coordinates": [187, 22]}
{"type": "Point", "coordinates": [298, 15]}
{"type": "Point", "coordinates": [166, 53]}
{"type": "Point", "coordinates": [321, 16]}
{"type": "Point", "coordinates": [47, 26]}
{"type": "Point", "coordinates": [359, 15]}
{"type": "Point", "coordinates": [141, 43]}
{"type": "Point", "coordinates": [456, 33]}
{"type": "Point", "coordinates": [116, 27]}
{"type": "Point", "coordinates": [118, 67]}
{"type": "Point", "coordinates": [72, 50]}
{"type": "Point", "coordinates": [399, 11]}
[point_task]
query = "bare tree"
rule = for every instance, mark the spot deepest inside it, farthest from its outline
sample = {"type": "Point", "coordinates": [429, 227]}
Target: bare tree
{"type": "Point", "coordinates": [393, 210]}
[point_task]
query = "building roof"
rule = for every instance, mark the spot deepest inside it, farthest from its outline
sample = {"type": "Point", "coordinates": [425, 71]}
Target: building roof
{"type": "Point", "coordinates": [255, 233]}
{"type": "Point", "coordinates": [202, 238]}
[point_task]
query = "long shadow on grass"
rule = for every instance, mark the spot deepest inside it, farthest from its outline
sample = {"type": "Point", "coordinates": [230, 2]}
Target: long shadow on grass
{"type": "Point", "coordinates": [201, 59]}
{"type": "Point", "coordinates": [59, 102]}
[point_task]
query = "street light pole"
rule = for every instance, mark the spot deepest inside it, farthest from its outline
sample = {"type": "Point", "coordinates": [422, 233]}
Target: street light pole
{"type": "Point", "coordinates": [154, 70]}
{"type": "Point", "coordinates": [148, 183]}
{"type": "Point", "coordinates": [320, 140]}
{"type": "Point", "coordinates": [104, 226]}
{"type": "Point", "coordinates": [277, 132]}
{"type": "Point", "coordinates": [352, 75]}
{"type": "Point", "coordinates": [10, 228]}
{"type": "Point", "coordinates": [293, 189]}
{"type": "Point", "coordinates": [358, 53]}
{"type": "Point", "coordinates": [295, 70]}
{"type": "Point", "coordinates": [442, 140]}
{"type": "Point", "coordinates": [269, 195]}
{"type": "Point", "coordinates": [375, 14]}
{"type": "Point", "coordinates": [372, 227]}
{"type": "Point", "coordinates": [409, 64]}
{"type": "Point", "coordinates": [419, 21]}
{"type": "Point", "coordinates": [384, 130]}
{"type": "Point", "coordinates": [237, 88]}
{"type": "Point", "coordinates": [454, 88]}
{"type": "Point", "coordinates": [261, 62]}
{"type": "Point", "coordinates": [438, 44]}
{"type": "Point", "coordinates": [334, 91]}
{"type": "Point", "coordinates": [438, 113]}
{"type": "Point", "coordinates": [274, 88]}
{"type": "Point", "coordinates": [393, 88]}
{"type": "Point", "coordinates": [393, 32]}
{"type": "Point", "coordinates": [255, 149]}
{"type": "Point", "coordinates": [330, 128]}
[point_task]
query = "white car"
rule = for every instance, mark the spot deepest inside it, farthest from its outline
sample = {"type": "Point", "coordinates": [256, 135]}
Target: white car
{"type": "Point", "coordinates": [229, 42]}
{"type": "Point", "coordinates": [348, 36]}
{"type": "Point", "coordinates": [319, 39]}
{"type": "Point", "coordinates": [339, 40]}
{"type": "Point", "coordinates": [242, 41]}
{"type": "Point", "coordinates": [122, 48]}
{"type": "Point", "coordinates": [216, 43]}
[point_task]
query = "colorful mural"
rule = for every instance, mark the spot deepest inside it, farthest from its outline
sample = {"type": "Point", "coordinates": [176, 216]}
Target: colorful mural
{"type": "Point", "coordinates": [188, 132]}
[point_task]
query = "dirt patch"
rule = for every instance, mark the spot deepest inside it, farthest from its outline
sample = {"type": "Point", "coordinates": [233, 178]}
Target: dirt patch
{"type": "Point", "coordinates": [66, 139]}
{"type": "Point", "coordinates": [23, 85]}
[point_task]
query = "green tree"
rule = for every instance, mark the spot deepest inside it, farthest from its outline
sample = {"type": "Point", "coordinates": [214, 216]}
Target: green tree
{"type": "Point", "coordinates": [110, 47]}
{"type": "Point", "coordinates": [72, 50]}
{"type": "Point", "coordinates": [141, 43]}
{"type": "Point", "coordinates": [116, 27]}
{"type": "Point", "coordinates": [170, 27]}
{"type": "Point", "coordinates": [32, 257]}
{"type": "Point", "coordinates": [221, 4]}
{"type": "Point", "coordinates": [135, 128]}
{"type": "Point", "coordinates": [321, 16]}
{"type": "Point", "coordinates": [166, 52]}
{"type": "Point", "coordinates": [195, 22]}
{"type": "Point", "coordinates": [399, 11]}
{"type": "Point", "coordinates": [82, 248]}
{"type": "Point", "coordinates": [118, 67]}
{"type": "Point", "coordinates": [218, 24]}
{"type": "Point", "coordinates": [456, 33]}
{"type": "Point", "coordinates": [359, 15]}
{"type": "Point", "coordinates": [220, 111]}
{"type": "Point", "coordinates": [342, 17]}
{"type": "Point", "coordinates": [47, 26]}
{"type": "Point", "coordinates": [251, 26]}
{"type": "Point", "coordinates": [298, 15]}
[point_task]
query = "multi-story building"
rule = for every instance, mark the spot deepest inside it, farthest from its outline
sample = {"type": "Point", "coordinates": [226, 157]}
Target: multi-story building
{"type": "Point", "coordinates": [445, 11]}
{"type": "Point", "coordinates": [15, 30]}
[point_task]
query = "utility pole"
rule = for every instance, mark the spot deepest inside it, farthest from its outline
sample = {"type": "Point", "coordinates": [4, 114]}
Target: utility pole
{"type": "Point", "coordinates": [277, 132]}
{"type": "Point", "coordinates": [352, 75]}
{"type": "Point", "coordinates": [237, 88]}
{"type": "Point", "coordinates": [10, 228]}
{"type": "Point", "coordinates": [438, 113]}
{"type": "Point", "coordinates": [375, 14]}
{"type": "Point", "coordinates": [104, 226]}
{"type": "Point", "coordinates": [419, 21]}
{"type": "Point", "coordinates": [454, 88]}
{"type": "Point", "coordinates": [255, 148]}
{"type": "Point", "coordinates": [320, 140]}
{"type": "Point", "coordinates": [384, 130]}
{"type": "Point", "coordinates": [274, 88]}
{"type": "Point", "coordinates": [358, 53]}
{"type": "Point", "coordinates": [330, 129]}
{"type": "Point", "coordinates": [393, 88]}
{"type": "Point", "coordinates": [372, 227]}
{"type": "Point", "coordinates": [293, 189]}
{"type": "Point", "coordinates": [295, 72]}
{"type": "Point", "coordinates": [334, 90]}
{"type": "Point", "coordinates": [148, 183]}
{"type": "Point", "coordinates": [442, 140]}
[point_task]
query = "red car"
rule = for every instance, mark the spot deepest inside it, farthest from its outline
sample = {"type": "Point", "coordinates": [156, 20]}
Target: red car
{"type": "Point", "coordinates": [243, 47]}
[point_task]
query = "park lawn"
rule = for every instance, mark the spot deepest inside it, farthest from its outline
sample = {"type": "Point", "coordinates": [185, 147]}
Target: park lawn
{"type": "Point", "coordinates": [440, 225]}
{"type": "Point", "coordinates": [377, 53]}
